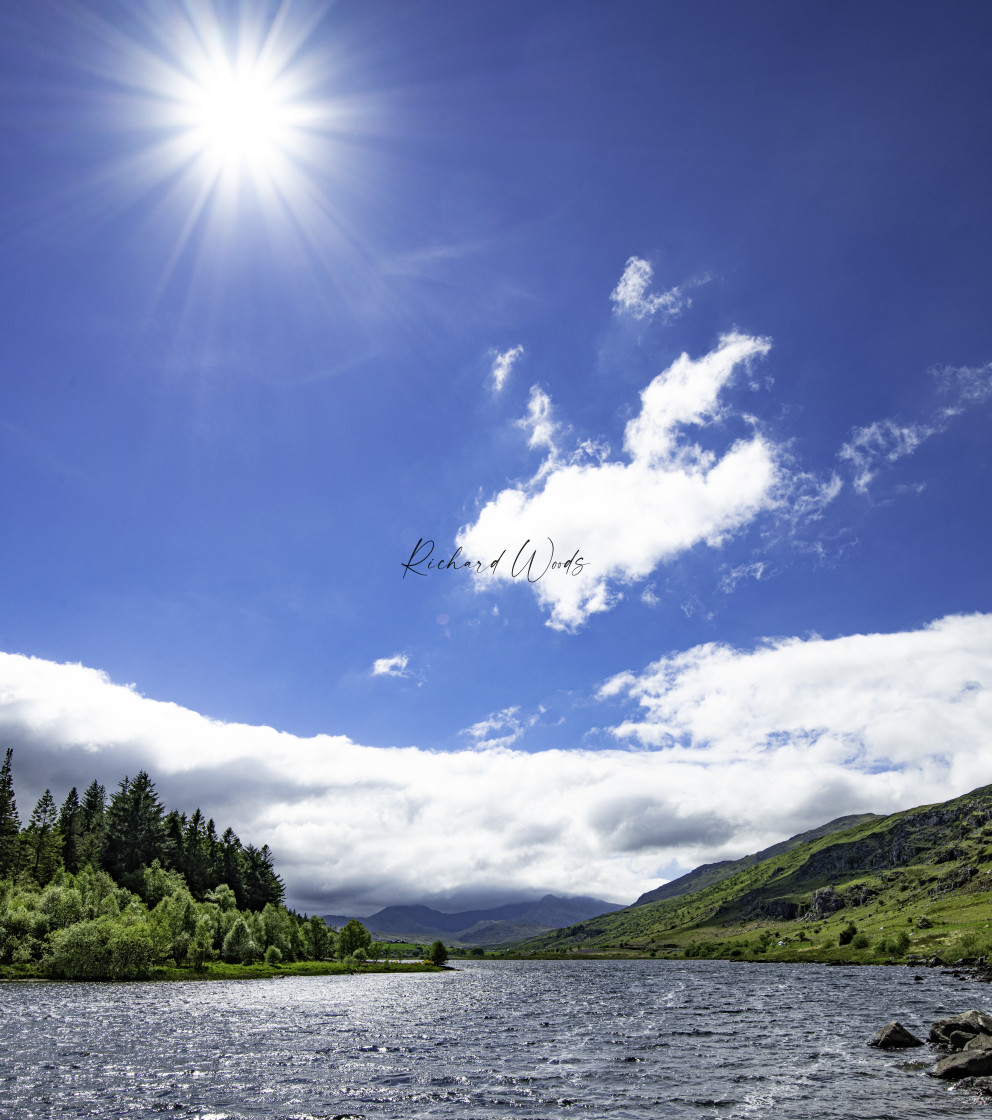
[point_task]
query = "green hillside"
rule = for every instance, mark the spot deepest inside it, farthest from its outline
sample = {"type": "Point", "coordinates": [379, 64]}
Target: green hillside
{"type": "Point", "coordinates": [917, 882]}
{"type": "Point", "coordinates": [710, 873]}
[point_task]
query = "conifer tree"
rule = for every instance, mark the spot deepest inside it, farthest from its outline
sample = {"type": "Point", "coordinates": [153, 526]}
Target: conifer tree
{"type": "Point", "coordinates": [43, 840]}
{"type": "Point", "coordinates": [71, 828]}
{"type": "Point", "coordinates": [92, 825]}
{"type": "Point", "coordinates": [10, 824]}
{"type": "Point", "coordinates": [135, 827]}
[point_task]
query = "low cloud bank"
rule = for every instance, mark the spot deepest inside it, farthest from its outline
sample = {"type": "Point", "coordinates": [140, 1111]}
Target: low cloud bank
{"type": "Point", "coordinates": [717, 752]}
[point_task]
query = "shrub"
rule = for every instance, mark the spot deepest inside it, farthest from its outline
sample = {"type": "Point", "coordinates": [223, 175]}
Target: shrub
{"type": "Point", "coordinates": [847, 934]}
{"type": "Point", "coordinates": [100, 949]}
{"type": "Point", "coordinates": [860, 941]}
{"type": "Point", "coordinates": [273, 955]}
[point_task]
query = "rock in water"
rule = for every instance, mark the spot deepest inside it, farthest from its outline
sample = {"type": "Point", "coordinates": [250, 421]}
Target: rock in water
{"type": "Point", "coordinates": [894, 1036]}
{"type": "Point", "coordinates": [969, 1063]}
{"type": "Point", "coordinates": [955, 1031]}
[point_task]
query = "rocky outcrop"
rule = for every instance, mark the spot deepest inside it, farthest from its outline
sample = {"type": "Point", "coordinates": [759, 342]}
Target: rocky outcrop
{"type": "Point", "coordinates": [955, 1031]}
{"type": "Point", "coordinates": [822, 902]}
{"type": "Point", "coordinates": [894, 1036]}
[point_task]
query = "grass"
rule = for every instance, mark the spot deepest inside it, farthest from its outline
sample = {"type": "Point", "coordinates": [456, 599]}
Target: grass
{"type": "Point", "coordinates": [220, 970]}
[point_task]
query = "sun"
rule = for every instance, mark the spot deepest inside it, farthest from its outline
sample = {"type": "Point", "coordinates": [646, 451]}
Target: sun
{"type": "Point", "coordinates": [236, 107]}
{"type": "Point", "coordinates": [240, 119]}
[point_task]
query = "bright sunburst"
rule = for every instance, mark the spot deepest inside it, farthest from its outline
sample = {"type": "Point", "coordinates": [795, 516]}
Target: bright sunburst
{"type": "Point", "coordinates": [229, 111]}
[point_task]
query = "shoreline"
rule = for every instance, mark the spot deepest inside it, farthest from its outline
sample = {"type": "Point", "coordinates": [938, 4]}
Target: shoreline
{"type": "Point", "coordinates": [10, 974]}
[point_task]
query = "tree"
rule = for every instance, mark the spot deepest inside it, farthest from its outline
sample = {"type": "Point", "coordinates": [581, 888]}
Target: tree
{"type": "Point", "coordinates": [353, 936]}
{"type": "Point", "coordinates": [136, 832]}
{"type": "Point", "coordinates": [10, 824]}
{"type": "Point", "coordinates": [92, 825]}
{"type": "Point", "coordinates": [43, 841]}
{"type": "Point", "coordinates": [239, 948]}
{"type": "Point", "coordinates": [321, 938]}
{"type": "Point", "coordinates": [71, 830]}
{"type": "Point", "coordinates": [437, 954]}
{"type": "Point", "coordinates": [261, 883]}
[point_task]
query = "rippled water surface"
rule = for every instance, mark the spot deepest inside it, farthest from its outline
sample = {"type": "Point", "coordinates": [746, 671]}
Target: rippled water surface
{"type": "Point", "coordinates": [496, 1039]}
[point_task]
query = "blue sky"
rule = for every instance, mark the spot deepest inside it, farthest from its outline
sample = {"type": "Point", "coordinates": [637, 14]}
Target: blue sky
{"type": "Point", "coordinates": [699, 291]}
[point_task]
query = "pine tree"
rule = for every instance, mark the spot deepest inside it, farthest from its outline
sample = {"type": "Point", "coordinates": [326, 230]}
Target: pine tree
{"type": "Point", "coordinates": [135, 827]}
{"type": "Point", "coordinates": [71, 828]}
{"type": "Point", "coordinates": [43, 840]}
{"type": "Point", "coordinates": [92, 825]}
{"type": "Point", "coordinates": [262, 884]}
{"type": "Point", "coordinates": [10, 824]}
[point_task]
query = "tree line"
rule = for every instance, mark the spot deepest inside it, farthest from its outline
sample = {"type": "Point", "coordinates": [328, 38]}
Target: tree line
{"type": "Point", "coordinates": [124, 835]}
{"type": "Point", "coordinates": [109, 889]}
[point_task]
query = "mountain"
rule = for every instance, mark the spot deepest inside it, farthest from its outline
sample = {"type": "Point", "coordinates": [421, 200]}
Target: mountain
{"type": "Point", "coordinates": [709, 873]}
{"type": "Point", "coordinates": [924, 869]}
{"type": "Point", "coordinates": [509, 922]}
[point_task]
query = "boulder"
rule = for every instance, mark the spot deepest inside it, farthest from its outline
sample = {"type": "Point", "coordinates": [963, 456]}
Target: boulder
{"type": "Point", "coordinates": [979, 1042]}
{"type": "Point", "coordinates": [894, 1036]}
{"type": "Point", "coordinates": [969, 1063]}
{"type": "Point", "coordinates": [957, 1030]}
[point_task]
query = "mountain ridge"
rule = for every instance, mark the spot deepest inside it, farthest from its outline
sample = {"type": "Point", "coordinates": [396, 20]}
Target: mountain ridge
{"type": "Point", "coordinates": [491, 926]}
{"type": "Point", "coordinates": [709, 873]}
{"type": "Point", "coordinates": [912, 871]}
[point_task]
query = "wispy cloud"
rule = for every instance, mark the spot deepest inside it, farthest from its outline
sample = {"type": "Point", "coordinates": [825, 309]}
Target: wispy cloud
{"type": "Point", "coordinates": [395, 666]}
{"type": "Point", "coordinates": [627, 517]}
{"type": "Point", "coordinates": [502, 365]}
{"type": "Point", "coordinates": [882, 443]}
{"type": "Point", "coordinates": [500, 729]}
{"type": "Point", "coordinates": [885, 441]}
{"type": "Point", "coordinates": [630, 297]}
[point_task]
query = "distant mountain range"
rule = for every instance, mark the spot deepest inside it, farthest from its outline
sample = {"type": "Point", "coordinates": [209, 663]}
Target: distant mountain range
{"type": "Point", "coordinates": [478, 927]}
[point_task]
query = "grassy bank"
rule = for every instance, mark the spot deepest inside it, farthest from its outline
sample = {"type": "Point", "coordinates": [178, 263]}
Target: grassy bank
{"type": "Point", "coordinates": [220, 970]}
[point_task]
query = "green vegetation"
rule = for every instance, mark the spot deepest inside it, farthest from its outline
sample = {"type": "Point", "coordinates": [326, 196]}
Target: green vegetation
{"type": "Point", "coordinates": [125, 891]}
{"type": "Point", "coordinates": [914, 884]}
{"type": "Point", "coordinates": [437, 954]}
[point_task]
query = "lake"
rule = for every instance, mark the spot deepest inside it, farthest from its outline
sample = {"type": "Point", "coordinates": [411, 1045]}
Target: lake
{"type": "Point", "coordinates": [523, 1039]}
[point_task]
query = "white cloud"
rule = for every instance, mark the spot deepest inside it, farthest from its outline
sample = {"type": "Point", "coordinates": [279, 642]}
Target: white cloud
{"type": "Point", "coordinates": [630, 296]}
{"type": "Point", "coordinates": [503, 364]}
{"type": "Point", "coordinates": [539, 422]}
{"type": "Point", "coordinates": [733, 750]}
{"type": "Point", "coordinates": [625, 518]}
{"type": "Point", "coordinates": [964, 385]}
{"type": "Point", "coordinates": [885, 441]}
{"type": "Point", "coordinates": [485, 733]}
{"type": "Point", "coordinates": [395, 666]}
{"type": "Point", "coordinates": [887, 712]}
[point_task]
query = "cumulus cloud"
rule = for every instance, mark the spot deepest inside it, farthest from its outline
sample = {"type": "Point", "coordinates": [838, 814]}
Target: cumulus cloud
{"type": "Point", "coordinates": [901, 717]}
{"type": "Point", "coordinates": [630, 297]}
{"type": "Point", "coordinates": [395, 666]}
{"type": "Point", "coordinates": [621, 519]}
{"type": "Point", "coordinates": [732, 750]}
{"type": "Point", "coordinates": [502, 365]}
